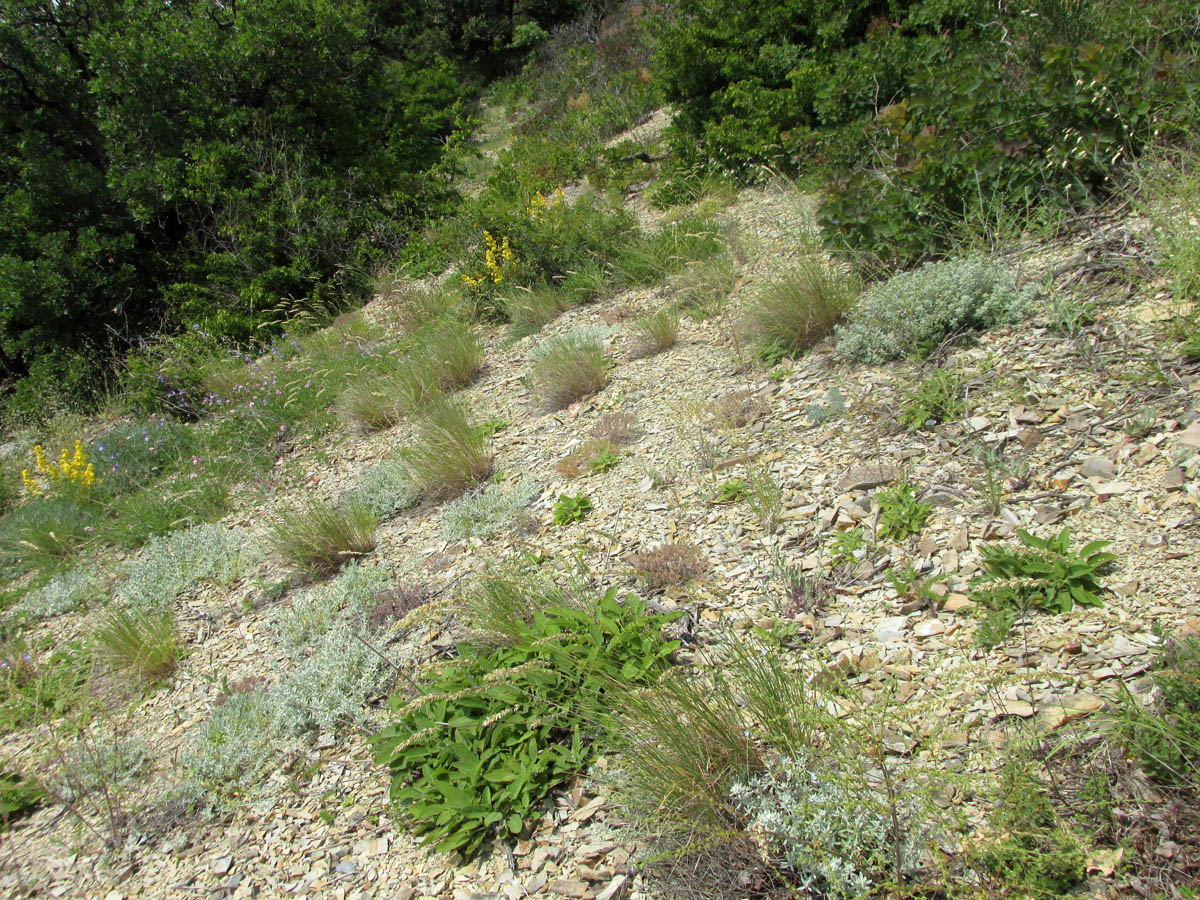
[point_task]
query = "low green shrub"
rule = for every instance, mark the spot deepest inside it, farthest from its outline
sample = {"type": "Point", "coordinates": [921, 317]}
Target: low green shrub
{"type": "Point", "coordinates": [450, 453]}
{"type": "Point", "coordinates": [568, 367]}
{"type": "Point", "coordinates": [19, 796]}
{"type": "Point", "coordinates": [494, 732]}
{"type": "Point", "coordinates": [732, 491]}
{"type": "Point", "coordinates": [798, 309]}
{"type": "Point", "coordinates": [166, 505]}
{"type": "Point", "coordinates": [318, 538]}
{"type": "Point", "coordinates": [1030, 849]}
{"type": "Point", "coordinates": [483, 513]}
{"type": "Point", "coordinates": [900, 513]}
{"type": "Point", "coordinates": [37, 682]}
{"type": "Point", "coordinates": [912, 312]}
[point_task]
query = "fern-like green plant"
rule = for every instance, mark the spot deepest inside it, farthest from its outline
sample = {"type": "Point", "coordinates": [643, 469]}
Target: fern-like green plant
{"type": "Point", "coordinates": [1042, 573]}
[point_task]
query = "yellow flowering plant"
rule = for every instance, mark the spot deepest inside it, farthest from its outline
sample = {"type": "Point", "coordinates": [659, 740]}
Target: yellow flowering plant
{"type": "Point", "coordinates": [73, 474]}
{"type": "Point", "coordinates": [498, 263]}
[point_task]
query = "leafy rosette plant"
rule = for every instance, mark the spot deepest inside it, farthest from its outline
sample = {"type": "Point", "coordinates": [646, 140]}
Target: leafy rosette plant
{"type": "Point", "coordinates": [1043, 573]}
{"type": "Point", "coordinates": [496, 730]}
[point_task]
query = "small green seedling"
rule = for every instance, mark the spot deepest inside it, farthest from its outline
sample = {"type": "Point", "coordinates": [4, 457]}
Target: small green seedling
{"type": "Point", "coordinates": [570, 509]}
{"type": "Point", "coordinates": [604, 460]}
{"type": "Point", "coordinates": [900, 514]}
{"type": "Point", "coordinates": [732, 491]}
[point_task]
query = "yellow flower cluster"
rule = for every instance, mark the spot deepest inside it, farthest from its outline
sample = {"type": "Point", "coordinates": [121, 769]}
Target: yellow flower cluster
{"type": "Point", "coordinates": [71, 471]}
{"type": "Point", "coordinates": [494, 257]}
{"type": "Point", "coordinates": [539, 204]}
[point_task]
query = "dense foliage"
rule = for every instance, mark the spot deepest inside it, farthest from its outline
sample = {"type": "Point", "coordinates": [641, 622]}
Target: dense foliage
{"type": "Point", "coordinates": [926, 111]}
{"type": "Point", "coordinates": [219, 163]}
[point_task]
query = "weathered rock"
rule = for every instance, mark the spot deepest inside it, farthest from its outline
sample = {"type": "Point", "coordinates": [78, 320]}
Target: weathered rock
{"type": "Point", "coordinates": [862, 478]}
{"type": "Point", "coordinates": [1098, 467]}
{"type": "Point", "coordinates": [929, 629]}
{"type": "Point", "coordinates": [891, 629]}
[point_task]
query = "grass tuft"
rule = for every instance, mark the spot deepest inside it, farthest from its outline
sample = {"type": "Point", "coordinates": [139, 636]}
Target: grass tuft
{"type": "Point", "coordinates": [144, 641]}
{"type": "Point", "coordinates": [568, 367]}
{"type": "Point", "coordinates": [450, 453]}
{"type": "Point", "coordinates": [655, 333]}
{"type": "Point", "coordinates": [798, 309]}
{"type": "Point", "coordinates": [318, 539]}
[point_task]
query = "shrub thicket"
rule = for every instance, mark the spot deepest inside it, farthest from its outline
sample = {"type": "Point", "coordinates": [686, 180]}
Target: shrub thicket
{"type": "Point", "coordinates": [907, 104]}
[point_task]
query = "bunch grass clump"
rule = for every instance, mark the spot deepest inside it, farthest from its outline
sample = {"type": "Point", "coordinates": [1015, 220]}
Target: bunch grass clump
{"type": "Point", "coordinates": [450, 453]}
{"type": "Point", "coordinates": [531, 309]}
{"type": "Point", "coordinates": [43, 535]}
{"type": "Point", "coordinates": [568, 367]}
{"type": "Point", "coordinates": [1164, 735]}
{"type": "Point", "coordinates": [318, 538]}
{"type": "Point", "coordinates": [798, 309]}
{"type": "Point", "coordinates": [655, 333]}
{"type": "Point", "coordinates": [144, 641]}
{"type": "Point", "coordinates": [671, 249]}
{"type": "Point", "coordinates": [701, 289]}
{"type": "Point", "coordinates": [912, 312]}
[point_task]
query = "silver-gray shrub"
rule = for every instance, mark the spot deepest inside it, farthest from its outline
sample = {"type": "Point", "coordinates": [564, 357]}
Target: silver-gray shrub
{"type": "Point", "coordinates": [170, 565]}
{"type": "Point", "coordinates": [916, 310]}
{"type": "Point", "coordinates": [330, 687]}
{"type": "Point", "coordinates": [235, 746]}
{"type": "Point", "coordinates": [321, 607]}
{"type": "Point", "coordinates": [61, 594]}
{"type": "Point", "coordinates": [109, 765]}
{"type": "Point", "coordinates": [829, 821]}
{"type": "Point", "coordinates": [484, 512]}
{"type": "Point", "coordinates": [385, 489]}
